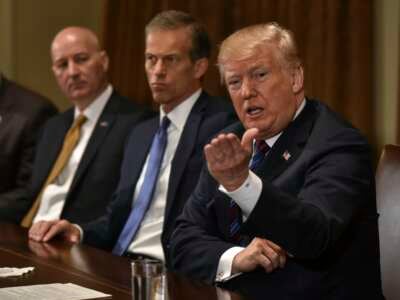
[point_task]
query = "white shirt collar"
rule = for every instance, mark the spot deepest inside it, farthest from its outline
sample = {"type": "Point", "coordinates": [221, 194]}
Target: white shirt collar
{"type": "Point", "coordinates": [271, 141]}
{"type": "Point", "coordinates": [179, 114]}
{"type": "Point", "coordinates": [93, 111]}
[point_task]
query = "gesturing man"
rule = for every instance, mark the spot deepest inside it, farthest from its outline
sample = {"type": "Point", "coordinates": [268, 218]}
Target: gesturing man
{"type": "Point", "coordinates": [287, 204]}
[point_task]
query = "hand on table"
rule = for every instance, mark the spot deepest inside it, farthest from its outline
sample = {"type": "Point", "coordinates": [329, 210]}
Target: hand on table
{"type": "Point", "coordinates": [43, 231]}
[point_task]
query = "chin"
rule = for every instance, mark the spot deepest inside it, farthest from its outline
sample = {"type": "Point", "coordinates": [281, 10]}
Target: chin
{"type": "Point", "coordinates": [158, 98]}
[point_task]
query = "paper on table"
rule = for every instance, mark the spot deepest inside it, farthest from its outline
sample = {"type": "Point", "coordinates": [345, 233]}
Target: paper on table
{"type": "Point", "coordinates": [8, 272]}
{"type": "Point", "coordinates": [51, 291]}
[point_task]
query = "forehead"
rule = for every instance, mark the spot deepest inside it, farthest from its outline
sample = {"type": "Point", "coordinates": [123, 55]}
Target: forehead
{"type": "Point", "coordinates": [163, 42]}
{"type": "Point", "coordinates": [70, 45]}
{"type": "Point", "coordinates": [243, 63]}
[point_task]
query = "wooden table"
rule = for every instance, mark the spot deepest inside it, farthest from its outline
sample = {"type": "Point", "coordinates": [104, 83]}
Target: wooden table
{"type": "Point", "coordinates": [60, 262]}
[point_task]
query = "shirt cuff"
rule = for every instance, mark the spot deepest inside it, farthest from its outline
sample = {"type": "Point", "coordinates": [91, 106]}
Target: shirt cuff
{"type": "Point", "coordinates": [246, 196]}
{"type": "Point", "coordinates": [224, 270]}
{"type": "Point", "coordinates": [80, 232]}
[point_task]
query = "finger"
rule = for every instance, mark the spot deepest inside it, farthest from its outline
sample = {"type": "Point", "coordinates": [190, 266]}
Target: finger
{"type": "Point", "coordinates": [247, 139]}
{"type": "Point", "coordinates": [75, 236]}
{"type": "Point", "coordinates": [264, 262]}
{"type": "Point", "coordinates": [281, 253]}
{"type": "Point", "coordinates": [214, 151]}
{"type": "Point", "coordinates": [225, 149]}
{"type": "Point", "coordinates": [38, 230]}
{"type": "Point", "coordinates": [66, 228]}
{"type": "Point", "coordinates": [32, 232]}
{"type": "Point", "coordinates": [235, 145]}
{"type": "Point", "coordinates": [54, 230]}
{"type": "Point", "coordinates": [271, 254]}
{"type": "Point", "coordinates": [211, 159]}
{"type": "Point", "coordinates": [43, 228]}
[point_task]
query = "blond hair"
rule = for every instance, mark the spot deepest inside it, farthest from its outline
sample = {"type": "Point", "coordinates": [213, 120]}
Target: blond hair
{"type": "Point", "coordinates": [245, 42]}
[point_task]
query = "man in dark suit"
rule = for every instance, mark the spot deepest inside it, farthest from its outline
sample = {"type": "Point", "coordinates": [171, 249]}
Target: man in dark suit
{"type": "Point", "coordinates": [286, 208]}
{"type": "Point", "coordinates": [22, 115]}
{"type": "Point", "coordinates": [74, 179]}
{"type": "Point", "coordinates": [177, 51]}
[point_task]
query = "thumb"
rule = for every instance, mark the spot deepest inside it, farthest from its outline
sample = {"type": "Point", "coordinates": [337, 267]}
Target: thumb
{"type": "Point", "coordinates": [248, 137]}
{"type": "Point", "coordinates": [74, 238]}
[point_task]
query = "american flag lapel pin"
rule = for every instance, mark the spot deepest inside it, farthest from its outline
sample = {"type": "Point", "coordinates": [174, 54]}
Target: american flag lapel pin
{"type": "Point", "coordinates": [103, 124]}
{"type": "Point", "coordinates": [286, 155]}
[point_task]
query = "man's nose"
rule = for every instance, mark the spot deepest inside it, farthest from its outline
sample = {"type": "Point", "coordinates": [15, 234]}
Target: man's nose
{"type": "Point", "coordinates": [248, 89]}
{"type": "Point", "coordinates": [73, 69]}
{"type": "Point", "coordinates": [159, 68]}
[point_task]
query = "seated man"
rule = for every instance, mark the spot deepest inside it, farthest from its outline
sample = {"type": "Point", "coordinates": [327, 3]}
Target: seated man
{"type": "Point", "coordinates": [79, 155]}
{"type": "Point", "coordinates": [286, 207]}
{"type": "Point", "coordinates": [163, 156]}
{"type": "Point", "coordinates": [22, 115]}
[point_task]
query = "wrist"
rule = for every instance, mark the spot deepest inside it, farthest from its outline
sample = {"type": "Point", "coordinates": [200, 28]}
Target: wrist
{"type": "Point", "coordinates": [235, 182]}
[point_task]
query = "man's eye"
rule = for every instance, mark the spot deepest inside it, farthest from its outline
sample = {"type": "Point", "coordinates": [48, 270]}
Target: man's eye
{"type": "Point", "coordinates": [81, 59]}
{"type": "Point", "coordinates": [234, 84]}
{"type": "Point", "coordinates": [151, 59]}
{"type": "Point", "coordinates": [171, 60]}
{"type": "Point", "coordinates": [62, 65]}
{"type": "Point", "coordinates": [260, 75]}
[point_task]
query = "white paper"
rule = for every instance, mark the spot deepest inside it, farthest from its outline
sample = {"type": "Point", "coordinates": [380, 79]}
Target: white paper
{"type": "Point", "coordinates": [53, 291]}
{"type": "Point", "coordinates": [8, 272]}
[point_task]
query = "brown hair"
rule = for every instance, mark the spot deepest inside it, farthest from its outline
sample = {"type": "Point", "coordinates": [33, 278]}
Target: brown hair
{"type": "Point", "coordinates": [172, 19]}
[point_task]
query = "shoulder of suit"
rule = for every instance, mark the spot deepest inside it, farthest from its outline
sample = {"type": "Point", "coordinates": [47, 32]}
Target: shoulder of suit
{"type": "Point", "coordinates": [330, 125]}
{"type": "Point", "coordinates": [127, 106]}
{"type": "Point", "coordinates": [23, 99]}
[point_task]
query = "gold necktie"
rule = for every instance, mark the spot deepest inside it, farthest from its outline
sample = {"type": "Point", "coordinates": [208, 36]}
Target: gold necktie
{"type": "Point", "coordinates": [70, 141]}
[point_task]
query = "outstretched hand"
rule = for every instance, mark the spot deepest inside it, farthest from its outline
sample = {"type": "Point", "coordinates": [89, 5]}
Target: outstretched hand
{"type": "Point", "coordinates": [228, 158]}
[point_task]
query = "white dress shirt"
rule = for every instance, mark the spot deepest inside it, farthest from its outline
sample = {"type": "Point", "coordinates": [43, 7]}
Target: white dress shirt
{"type": "Point", "coordinates": [148, 238]}
{"type": "Point", "coordinates": [54, 195]}
{"type": "Point", "coordinates": [246, 197]}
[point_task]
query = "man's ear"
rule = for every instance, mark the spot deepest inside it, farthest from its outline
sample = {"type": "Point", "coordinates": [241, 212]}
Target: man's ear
{"type": "Point", "coordinates": [200, 67]}
{"type": "Point", "coordinates": [105, 60]}
{"type": "Point", "coordinates": [297, 79]}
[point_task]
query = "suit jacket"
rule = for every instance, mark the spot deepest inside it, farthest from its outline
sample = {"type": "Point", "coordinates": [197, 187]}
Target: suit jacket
{"type": "Point", "coordinates": [22, 115]}
{"type": "Point", "coordinates": [317, 203]}
{"type": "Point", "coordinates": [98, 172]}
{"type": "Point", "coordinates": [208, 116]}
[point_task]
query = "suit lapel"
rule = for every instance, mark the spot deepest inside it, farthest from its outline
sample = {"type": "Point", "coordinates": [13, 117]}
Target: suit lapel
{"type": "Point", "coordinates": [102, 128]}
{"type": "Point", "coordinates": [184, 150]}
{"type": "Point", "coordinates": [289, 145]}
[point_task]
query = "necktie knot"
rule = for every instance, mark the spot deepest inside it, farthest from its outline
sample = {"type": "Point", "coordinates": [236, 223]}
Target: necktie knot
{"type": "Point", "coordinates": [79, 121]}
{"type": "Point", "coordinates": [164, 124]}
{"type": "Point", "coordinates": [262, 147]}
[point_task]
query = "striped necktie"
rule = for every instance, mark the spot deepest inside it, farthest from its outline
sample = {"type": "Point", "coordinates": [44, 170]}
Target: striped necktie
{"type": "Point", "coordinates": [235, 213]}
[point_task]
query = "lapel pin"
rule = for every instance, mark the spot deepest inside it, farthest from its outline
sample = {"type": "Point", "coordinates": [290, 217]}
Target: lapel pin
{"type": "Point", "coordinates": [286, 155]}
{"type": "Point", "coordinates": [103, 124]}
